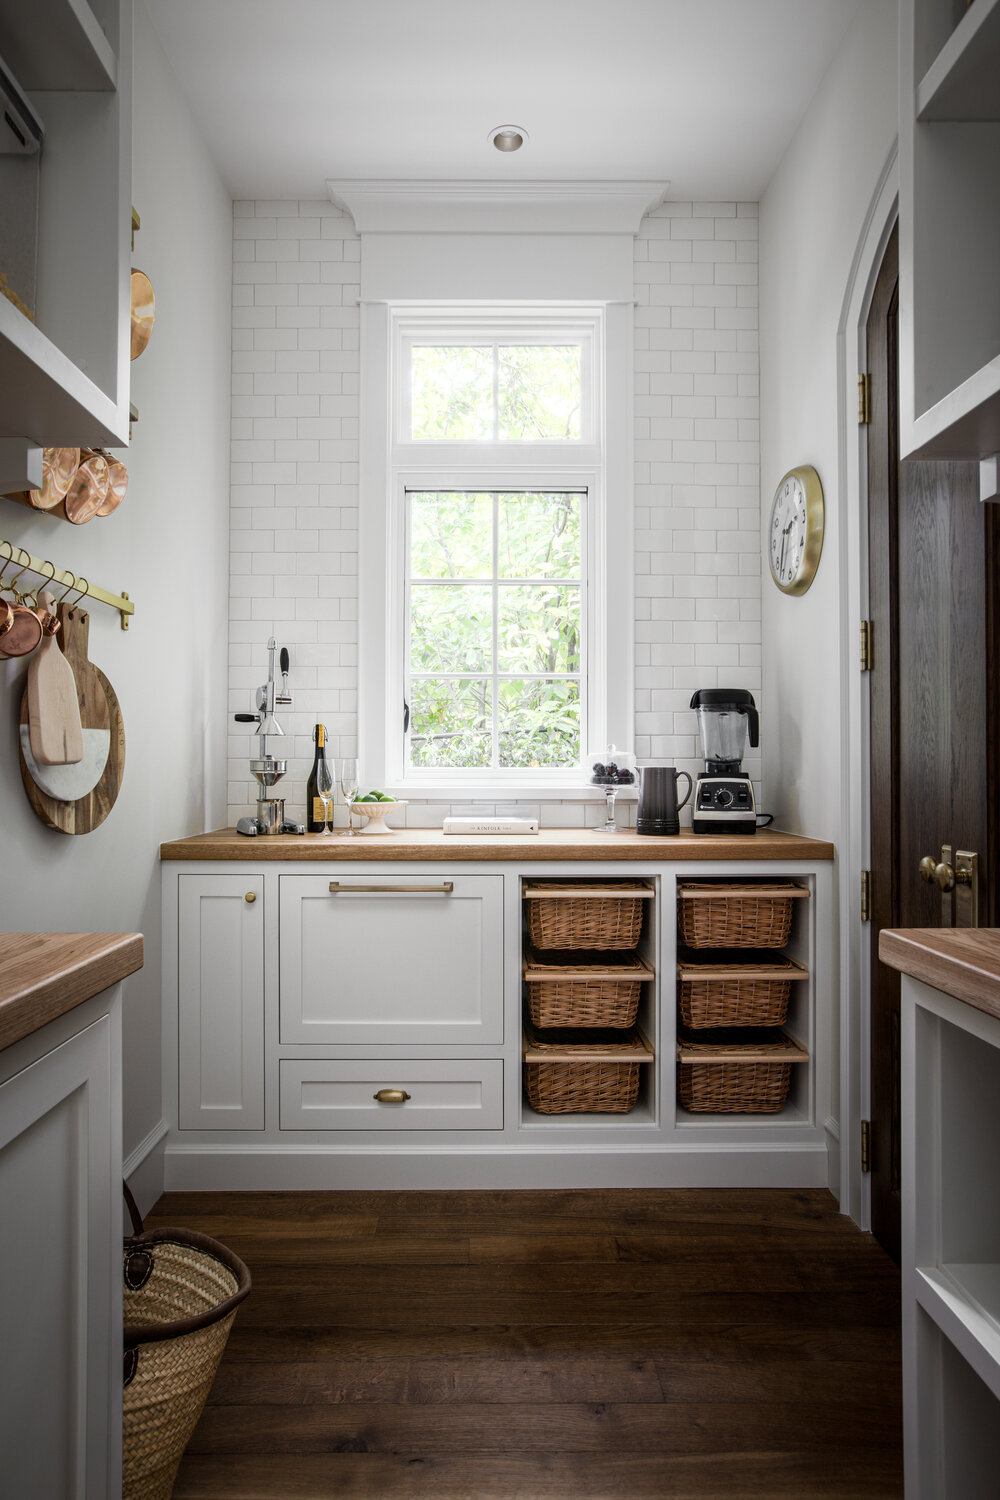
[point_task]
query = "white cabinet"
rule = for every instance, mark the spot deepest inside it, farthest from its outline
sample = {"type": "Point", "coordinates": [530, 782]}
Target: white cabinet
{"type": "Point", "coordinates": [383, 1094]}
{"type": "Point", "coordinates": [949, 217]}
{"type": "Point", "coordinates": [220, 1010]}
{"type": "Point", "coordinates": [64, 377]}
{"type": "Point", "coordinates": [60, 1257]}
{"type": "Point", "coordinates": [387, 959]}
{"type": "Point", "coordinates": [951, 1246]}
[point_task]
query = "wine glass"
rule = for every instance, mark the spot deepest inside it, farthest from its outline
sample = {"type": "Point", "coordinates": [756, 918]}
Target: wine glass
{"type": "Point", "coordinates": [347, 770]}
{"type": "Point", "coordinates": [324, 790]}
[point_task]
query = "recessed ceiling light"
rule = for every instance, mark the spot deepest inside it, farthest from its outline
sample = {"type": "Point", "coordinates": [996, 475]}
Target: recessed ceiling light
{"type": "Point", "coordinates": [508, 137]}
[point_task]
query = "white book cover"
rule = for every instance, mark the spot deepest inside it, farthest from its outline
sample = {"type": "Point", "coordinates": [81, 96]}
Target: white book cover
{"type": "Point", "coordinates": [490, 825]}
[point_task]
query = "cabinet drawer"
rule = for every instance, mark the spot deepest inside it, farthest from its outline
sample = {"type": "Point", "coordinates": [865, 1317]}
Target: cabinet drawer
{"type": "Point", "coordinates": [443, 1095]}
{"type": "Point", "coordinates": [386, 959]}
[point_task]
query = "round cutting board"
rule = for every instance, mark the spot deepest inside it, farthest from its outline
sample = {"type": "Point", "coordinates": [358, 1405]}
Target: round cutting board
{"type": "Point", "coordinates": [99, 711]}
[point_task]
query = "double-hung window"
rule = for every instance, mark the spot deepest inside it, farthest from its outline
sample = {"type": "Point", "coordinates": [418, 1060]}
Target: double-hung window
{"type": "Point", "coordinates": [495, 605]}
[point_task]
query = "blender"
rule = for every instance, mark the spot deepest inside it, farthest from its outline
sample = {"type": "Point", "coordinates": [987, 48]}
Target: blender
{"type": "Point", "coordinates": [723, 793]}
{"type": "Point", "coordinates": [266, 769]}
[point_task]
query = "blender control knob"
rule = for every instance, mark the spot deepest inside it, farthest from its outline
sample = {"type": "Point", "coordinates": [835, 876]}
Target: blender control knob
{"type": "Point", "coordinates": [724, 797]}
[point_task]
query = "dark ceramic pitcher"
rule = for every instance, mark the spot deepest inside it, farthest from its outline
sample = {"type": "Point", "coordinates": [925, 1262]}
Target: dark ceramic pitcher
{"type": "Point", "coordinates": [658, 805]}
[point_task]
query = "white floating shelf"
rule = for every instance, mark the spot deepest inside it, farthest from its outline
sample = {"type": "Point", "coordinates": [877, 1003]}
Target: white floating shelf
{"type": "Point", "coordinates": [961, 83]}
{"type": "Point", "coordinates": [45, 395]}
{"type": "Point", "coordinates": [56, 45]}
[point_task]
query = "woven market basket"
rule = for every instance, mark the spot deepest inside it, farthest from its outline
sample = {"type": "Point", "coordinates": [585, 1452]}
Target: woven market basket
{"type": "Point", "coordinates": [737, 916]}
{"type": "Point", "coordinates": [583, 1076]}
{"type": "Point", "coordinates": [723, 1076]}
{"type": "Point", "coordinates": [181, 1292]}
{"type": "Point", "coordinates": [576, 915]}
{"type": "Point", "coordinates": [730, 991]}
{"type": "Point", "coordinates": [600, 991]}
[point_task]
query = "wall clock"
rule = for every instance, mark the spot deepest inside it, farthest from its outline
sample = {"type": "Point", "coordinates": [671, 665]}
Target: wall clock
{"type": "Point", "coordinates": [795, 531]}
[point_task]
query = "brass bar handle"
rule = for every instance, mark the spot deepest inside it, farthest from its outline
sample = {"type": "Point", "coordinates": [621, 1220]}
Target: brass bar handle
{"type": "Point", "coordinates": [444, 889]}
{"type": "Point", "coordinates": [391, 1096]}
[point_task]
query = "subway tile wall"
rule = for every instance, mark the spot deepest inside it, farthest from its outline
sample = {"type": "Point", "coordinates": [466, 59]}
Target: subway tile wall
{"type": "Point", "coordinates": [294, 488]}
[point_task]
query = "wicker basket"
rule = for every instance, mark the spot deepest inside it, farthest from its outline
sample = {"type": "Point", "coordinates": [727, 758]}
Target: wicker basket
{"type": "Point", "coordinates": [728, 991]}
{"type": "Point", "coordinates": [576, 915]}
{"type": "Point", "coordinates": [564, 992]}
{"type": "Point", "coordinates": [573, 1072]}
{"type": "Point", "coordinates": [737, 916]}
{"type": "Point", "coordinates": [181, 1293]}
{"type": "Point", "coordinates": [734, 1073]}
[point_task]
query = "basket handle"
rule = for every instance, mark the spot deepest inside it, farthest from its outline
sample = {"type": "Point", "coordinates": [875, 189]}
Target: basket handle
{"type": "Point", "coordinates": [133, 1208]}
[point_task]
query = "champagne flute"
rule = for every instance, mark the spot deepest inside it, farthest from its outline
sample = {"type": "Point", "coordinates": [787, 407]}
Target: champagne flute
{"type": "Point", "coordinates": [349, 782]}
{"type": "Point", "coordinates": [324, 790]}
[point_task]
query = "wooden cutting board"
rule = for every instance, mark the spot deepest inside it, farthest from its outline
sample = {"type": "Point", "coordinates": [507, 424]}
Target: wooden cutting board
{"type": "Point", "coordinates": [56, 733]}
{"type": "Point", "coordinates": [99, 710]}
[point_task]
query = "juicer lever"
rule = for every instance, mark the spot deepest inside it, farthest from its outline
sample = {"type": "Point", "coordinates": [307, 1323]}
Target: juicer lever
{"type": "Point", "coordinates": [285, 695]}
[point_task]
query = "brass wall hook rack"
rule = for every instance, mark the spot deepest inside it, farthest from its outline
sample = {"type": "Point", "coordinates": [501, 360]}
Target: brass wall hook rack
{"type": "Point", "coordinates": [42, 566]}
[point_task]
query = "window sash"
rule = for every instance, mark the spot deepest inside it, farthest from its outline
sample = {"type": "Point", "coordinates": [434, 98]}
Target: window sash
{"type": "Point", "coordinates": [496, 583]}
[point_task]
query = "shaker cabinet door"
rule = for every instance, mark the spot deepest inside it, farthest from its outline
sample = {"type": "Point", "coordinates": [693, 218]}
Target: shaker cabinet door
{"type": "Point", "coordinates": [220, 974]}
{"type": "Point", "coordinates": [387, 959]}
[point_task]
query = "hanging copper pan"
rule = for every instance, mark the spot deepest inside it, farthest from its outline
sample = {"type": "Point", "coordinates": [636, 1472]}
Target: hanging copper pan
{"type": "Point", "coordinates": [24, 632]}
{"type": "Point", "coordinates": [89, 488]}
{"type": "Point", "coordinates": [58, 467]}
{"type": "Point", "coordinates": [143, 312]}
{"type": "Point", "coordinates": [117, 485]}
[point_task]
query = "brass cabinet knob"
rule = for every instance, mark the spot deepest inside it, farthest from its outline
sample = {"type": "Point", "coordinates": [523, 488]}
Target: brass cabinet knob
{"type": "Point", "coordinates": [391, 1096]}
{"type": "Point", "coordinates": [250, 897]}
{"type": "Point", "coordinates": [927, 866]}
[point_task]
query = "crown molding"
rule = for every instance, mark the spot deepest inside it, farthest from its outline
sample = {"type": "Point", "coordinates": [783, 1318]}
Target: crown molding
{"type": "Point", "coordinates": [408, 206]}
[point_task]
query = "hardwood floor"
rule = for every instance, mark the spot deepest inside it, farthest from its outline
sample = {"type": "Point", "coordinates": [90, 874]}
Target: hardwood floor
{"type": "Point", "coordinates": [549, 1346]}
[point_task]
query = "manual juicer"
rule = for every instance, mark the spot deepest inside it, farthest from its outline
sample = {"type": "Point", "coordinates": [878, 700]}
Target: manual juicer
{"type": "Point", "coordinates": [267, 770]}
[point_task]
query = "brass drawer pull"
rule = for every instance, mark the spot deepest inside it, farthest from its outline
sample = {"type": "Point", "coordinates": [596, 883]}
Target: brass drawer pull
{"type": "Point", "coordinates": [250, 897]}
{"type": "Point", "coordinates": [391, 1096]}
{"type": "Point", "coordinates": [444, 889]}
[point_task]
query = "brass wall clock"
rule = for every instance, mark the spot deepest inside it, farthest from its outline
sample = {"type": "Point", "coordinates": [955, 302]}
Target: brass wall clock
{"type": "Point", "coordinates": [795, 531]}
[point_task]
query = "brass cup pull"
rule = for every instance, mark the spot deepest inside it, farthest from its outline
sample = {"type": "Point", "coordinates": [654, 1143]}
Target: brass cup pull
{"type": "Point", "coordinates": [250, 897]}
{"type": "Point", "coordinates": [391, 1096]}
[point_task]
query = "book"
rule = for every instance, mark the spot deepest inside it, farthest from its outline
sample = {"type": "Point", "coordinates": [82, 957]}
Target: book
{"type": "Point", "coordinates": [490, 825]}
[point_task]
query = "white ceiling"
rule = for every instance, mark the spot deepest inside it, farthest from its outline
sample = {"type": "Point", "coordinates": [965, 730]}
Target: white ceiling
{"type": "Point", "coordinates": [703, 93]}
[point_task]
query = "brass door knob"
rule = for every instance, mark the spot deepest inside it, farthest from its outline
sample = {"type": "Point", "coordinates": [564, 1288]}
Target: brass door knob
{"type": "Point", "coordinates": [391, 1096]}
{"type": "Point", "coordinates": [944, 877]}
{"type": "Point", "coordinates": [250, 897]}
{"type": "Point", "coordinates": [927, 866]}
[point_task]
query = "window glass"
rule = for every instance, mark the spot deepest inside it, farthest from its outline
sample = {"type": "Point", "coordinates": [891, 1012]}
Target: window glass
{"type": "Point", "coordinates": [495, 392]}
{"type": "Point", "coordinates": [538, 392]}
{"type": "Point", "coordinates": [452, 392]}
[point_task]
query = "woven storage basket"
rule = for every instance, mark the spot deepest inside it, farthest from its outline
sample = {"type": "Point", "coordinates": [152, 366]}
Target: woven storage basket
{"type": "Point", "coordinates": [562, 915]}
{"type": "Point", "coordinates": [564, 992]}
{"type": "Point", "coordinates": [585, 1076]}
{"type": "Point", "coordinates": [724, 992]}
{"type": "Point", "coordinates": [737, 916]}
{"type": "Point", "coordinates": [181, 1293]}
{"type": "Point", "coordinates": [711, 1080]}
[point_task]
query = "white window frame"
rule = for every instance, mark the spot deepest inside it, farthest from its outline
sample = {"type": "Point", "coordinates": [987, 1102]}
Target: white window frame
{"type": "Point", "coordinates": [393, 463]}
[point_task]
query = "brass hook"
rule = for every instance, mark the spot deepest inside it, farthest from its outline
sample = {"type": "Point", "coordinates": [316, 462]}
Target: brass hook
{"type": "Point", "coordinates": [81, 592]}
{"type": "Point", "coordinates": [11, 586]}
{"type": "Point", "coordinates": [68, 589]}
{"type": "Point", "coordinates": [10, 559]}
{"type": "Point", "coordinates": [50, 578]}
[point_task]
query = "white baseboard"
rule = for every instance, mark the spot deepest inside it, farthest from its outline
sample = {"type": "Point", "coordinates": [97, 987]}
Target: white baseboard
{"type": "Point", "coordinates": [234, 1168]}
{"type": "Point", "coordinates": [143, 1169]}
{"type": "Point", "coordinates": [832, 1128]}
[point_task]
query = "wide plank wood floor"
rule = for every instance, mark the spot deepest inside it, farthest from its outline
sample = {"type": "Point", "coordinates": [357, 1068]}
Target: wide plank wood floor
{"type": "Point", "coordinates": [599, 1345]}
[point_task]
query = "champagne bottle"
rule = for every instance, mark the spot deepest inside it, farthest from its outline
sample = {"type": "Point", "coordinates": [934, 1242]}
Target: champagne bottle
{"type": "Point", "coordinates": [314, 803]}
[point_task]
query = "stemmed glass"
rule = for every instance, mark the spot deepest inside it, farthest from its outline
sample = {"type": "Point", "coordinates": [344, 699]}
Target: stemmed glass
{"type": "Point", "coordinates": [324, 790]}
{"type": "Point", "coordinates": [349, 782]}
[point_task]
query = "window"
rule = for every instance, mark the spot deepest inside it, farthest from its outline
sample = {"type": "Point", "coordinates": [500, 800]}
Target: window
{"type": "Point", "coordinates": [490, 596]}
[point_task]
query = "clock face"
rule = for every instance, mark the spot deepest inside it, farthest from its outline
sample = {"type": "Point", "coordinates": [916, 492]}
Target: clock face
{"type": "Point", "coordinates": [795, 534]}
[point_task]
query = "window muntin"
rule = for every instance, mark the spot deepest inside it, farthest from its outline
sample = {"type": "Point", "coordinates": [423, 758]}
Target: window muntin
{"type": "Point", "coordinates": [495, 629]}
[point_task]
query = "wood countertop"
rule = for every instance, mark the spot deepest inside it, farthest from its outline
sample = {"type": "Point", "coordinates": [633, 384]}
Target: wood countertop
{"type": "Point", "coordinates": [962, 962]}
{"type": "Point", "coordinates": [423, 844]}
{"type": "Point", "coordinates": [45, 974]}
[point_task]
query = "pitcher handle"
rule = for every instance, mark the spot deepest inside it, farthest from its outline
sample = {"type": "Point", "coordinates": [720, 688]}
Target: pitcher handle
{"type": "Point", "coordinates": [688, 792]}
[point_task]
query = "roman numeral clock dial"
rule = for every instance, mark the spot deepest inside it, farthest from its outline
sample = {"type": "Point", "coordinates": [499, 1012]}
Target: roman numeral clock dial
{"type": "Point", "coordinates": [795, 531]}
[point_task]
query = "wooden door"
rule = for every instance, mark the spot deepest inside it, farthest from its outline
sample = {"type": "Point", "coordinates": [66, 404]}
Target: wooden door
{"type": "Point", "coordinates": [933, 590]}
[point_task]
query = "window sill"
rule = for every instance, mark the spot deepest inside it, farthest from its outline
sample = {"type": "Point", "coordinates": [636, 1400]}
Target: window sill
{"type": "Point", "coordinates": [449, 792]}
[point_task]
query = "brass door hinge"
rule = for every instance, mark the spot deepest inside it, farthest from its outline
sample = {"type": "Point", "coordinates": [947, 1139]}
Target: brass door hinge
{"type": "Point", "coordinates": [864, 400]}
{"type": "Point", "coordinates": [866, 1146]}
{"type": "Point", "coordinates": [866, 895]}
{"type": "Point", "coordinates": [867, 645]}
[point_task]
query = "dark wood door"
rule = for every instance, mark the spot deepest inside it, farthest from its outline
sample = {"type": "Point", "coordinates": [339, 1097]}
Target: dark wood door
{"type": "Point", "coordinates": [932, 587]}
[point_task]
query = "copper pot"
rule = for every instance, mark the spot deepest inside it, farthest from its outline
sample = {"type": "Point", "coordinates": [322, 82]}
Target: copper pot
{"type": "Point", "coordinates": [143, 312]}
{"type": "Point", "coordinates": [89, 489]}
{"type": "Point", "coordinates": [58, 468]}
{"type": "Point", "coordinates": [117, 485]}
{"type": "Point", "coordinates": [23, 633]}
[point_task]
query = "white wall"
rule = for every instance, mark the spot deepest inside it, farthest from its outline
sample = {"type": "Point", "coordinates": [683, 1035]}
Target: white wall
{"type": "Point", "coordinates": [812, 217]}
{"type": "Point", "coordinates": [294, 566]}
{"type": "Point", "coordinates": [167, 547]}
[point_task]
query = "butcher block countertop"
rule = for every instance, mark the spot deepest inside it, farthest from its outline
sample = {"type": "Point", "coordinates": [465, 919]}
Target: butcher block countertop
{"type": "Point", "coordinates": [422, 844]}
{"type": "Point", "coordinates": [45, 974]}
{"type": "Point", "coordinates": [964, 962]}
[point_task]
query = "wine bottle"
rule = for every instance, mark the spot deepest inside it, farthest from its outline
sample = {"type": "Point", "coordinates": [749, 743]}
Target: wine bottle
{"type": "Point", "coordinates": [314, 803]}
